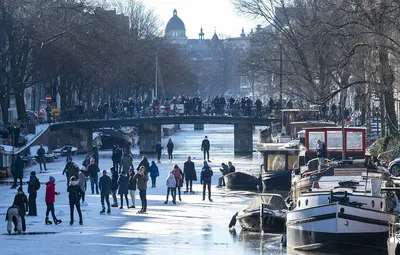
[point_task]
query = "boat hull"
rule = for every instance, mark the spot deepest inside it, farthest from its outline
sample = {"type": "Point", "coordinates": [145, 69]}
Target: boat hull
{"type": "Point", "coordinates": [240, 181]}
{"type": "Point", "coordinates": [111, 137]}
{"type": "Point", "coordinates": [280, 180]}
{"type": "Point", "coordinates": [271, 224]}
{"type": "Point", "coordinates": [336, 227]}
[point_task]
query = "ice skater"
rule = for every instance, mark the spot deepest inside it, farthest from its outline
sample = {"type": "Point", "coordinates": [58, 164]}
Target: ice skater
{"type": "Point", "coordinates": [132, 187]}
{"type": "Point", "coordinates": [114, 186]}
{"type": "Point", "coordinates": [33, 187]}
{"type": "Point", "coordinates": [142, 178]}
{"type": "Point", "coordinates": [179, 180]}
{"type": "Point", "coordinates": [154, 173]}
{"type": "Point", "coordinates": [170, 148]}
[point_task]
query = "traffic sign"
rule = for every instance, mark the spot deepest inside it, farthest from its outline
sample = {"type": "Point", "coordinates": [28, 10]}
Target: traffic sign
{"type": "Point", "coordinates": [48, 98]}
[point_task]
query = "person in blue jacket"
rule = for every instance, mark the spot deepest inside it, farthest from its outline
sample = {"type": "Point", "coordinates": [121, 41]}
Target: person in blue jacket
{"type": "Point", "coordinates": [205, 179]}
{"type": "Point", "coordinates": [153, 173]}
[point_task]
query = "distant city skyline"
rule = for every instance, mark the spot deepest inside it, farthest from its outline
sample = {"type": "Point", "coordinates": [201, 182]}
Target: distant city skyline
{"type": "Point", "coordinates": [212, 15]}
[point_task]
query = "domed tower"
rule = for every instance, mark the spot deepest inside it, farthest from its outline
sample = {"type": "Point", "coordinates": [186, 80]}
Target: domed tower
{"type": "Point", "coordinates": [175, 32]}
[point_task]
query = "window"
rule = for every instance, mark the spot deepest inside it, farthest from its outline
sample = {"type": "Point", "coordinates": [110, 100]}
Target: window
{"type": "Point", "coordinates": [354, 141]}
{"type": "Point", "coordinates": [313, 137]}
{"type": "Point", "coordinates": [335, 140]}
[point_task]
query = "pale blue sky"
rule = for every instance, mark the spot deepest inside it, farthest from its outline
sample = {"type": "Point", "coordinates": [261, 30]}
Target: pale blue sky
{"type": "Point", "coordinates": [206, 13]}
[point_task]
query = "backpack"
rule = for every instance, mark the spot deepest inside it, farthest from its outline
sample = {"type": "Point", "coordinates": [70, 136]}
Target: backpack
{"type": "Point", "coordinates": [208, 173]}
{"type": "Point", "coordinates": [177, 173]}
{"type": "Point", "coordinates": [37, 184]}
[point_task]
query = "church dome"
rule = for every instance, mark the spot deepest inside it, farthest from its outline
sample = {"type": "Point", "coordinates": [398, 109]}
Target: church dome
{"type": "Point", "coordinates": [175, 23]}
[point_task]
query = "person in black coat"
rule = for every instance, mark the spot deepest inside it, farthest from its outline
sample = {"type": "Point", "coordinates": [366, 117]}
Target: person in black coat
{"type": "Point", "coordinates": [114, 186]}
{"type": "Point", "coordinates": [123, 184]}
{"type": "Point", "coordinates": [158, 151]}
{"type": "Point", "coordinates": [132, 187]}
{"type": "Point", "coordinates": [41, 157]}
{"type": "Point", "coordinates": [68, 170]}
{"type": "Point", "coordinates": [93, 170]}
{"type": "Point", "coordinates": [33, 187]}
{"type": "Point", "coordinates": [21, 201]}
{"type": "Point", "coordinates": [17, 170]}
{"type": "Point", "coordinates": [105, 190]}
{"type": "Point", "coordinates": [144, 163]}
{"type": "Point", "coordinates": [170, 148]}
{"type": "Point", "coordinates": [205, 147]}
{"type": "Point", "coordinates": [74, 196]}
{"type": "Point", "coordinates": [95, 155]}
{"type": "Point", "coordinates": [116, 156]}
{"type": "Point", "coordinates": [190, 174]}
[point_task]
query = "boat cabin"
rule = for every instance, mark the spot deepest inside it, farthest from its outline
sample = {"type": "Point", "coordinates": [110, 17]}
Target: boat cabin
{"type": "Point", "coordinates": [354, 147]}
{"type": "Point", "coordinates": [297, 115]}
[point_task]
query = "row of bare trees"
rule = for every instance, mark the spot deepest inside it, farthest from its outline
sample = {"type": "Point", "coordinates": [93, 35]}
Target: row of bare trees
{"type": "Point", "coordinates": [83, 52]}
{"type": "Point", "coordinates": [317, 49]}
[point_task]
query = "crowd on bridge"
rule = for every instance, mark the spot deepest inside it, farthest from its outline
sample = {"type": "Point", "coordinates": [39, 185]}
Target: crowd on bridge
{"type": "Point", "coordinates": [178, 106]}
{"type": "Point", "coordinates": [121, 179]}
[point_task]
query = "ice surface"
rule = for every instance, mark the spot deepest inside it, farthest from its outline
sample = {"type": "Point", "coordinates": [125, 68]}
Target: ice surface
{"type": "Point", "coordinates": [189, 227]}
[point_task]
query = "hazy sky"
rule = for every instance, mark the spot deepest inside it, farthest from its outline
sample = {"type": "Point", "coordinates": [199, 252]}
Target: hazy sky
{"type": "Point", "coordinates": [210, 14]}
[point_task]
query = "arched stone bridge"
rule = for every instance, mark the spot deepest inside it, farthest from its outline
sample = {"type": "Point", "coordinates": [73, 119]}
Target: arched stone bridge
{"type": "Point", "coordinates": [150, 129]}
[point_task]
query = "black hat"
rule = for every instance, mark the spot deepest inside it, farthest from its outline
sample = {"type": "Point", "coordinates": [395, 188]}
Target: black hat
{"type": "Point", "coordinates": [33, 173]}
{"type": "Point", "coordinates": [20, 189]}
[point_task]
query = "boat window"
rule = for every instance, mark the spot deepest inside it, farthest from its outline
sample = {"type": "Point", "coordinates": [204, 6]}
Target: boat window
{"type": "Point", "coordinates": [373, 203]}
{"type": "Point", "coordinates": [306, 202]}
{"type": "Point", "coordinates": [276, 162]}
{"type": "Point", "coordinates": [354, 140]}
{"type": "Point", "coordinates": [381, 204]}
{"type": "Point", "coordinates": [335, 141]}
{"type": "Point", "coordinates": [299, 203]}
{"type": "Point", "coordinates": [313, 137]}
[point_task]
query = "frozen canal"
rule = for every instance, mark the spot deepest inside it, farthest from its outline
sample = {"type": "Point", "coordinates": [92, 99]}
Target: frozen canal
{"type": "Point", "coordinates": [189, 227]}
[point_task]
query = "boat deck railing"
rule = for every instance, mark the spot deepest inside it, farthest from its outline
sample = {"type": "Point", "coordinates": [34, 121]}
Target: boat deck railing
{"type": "Point", "coordinates": [394, 230]}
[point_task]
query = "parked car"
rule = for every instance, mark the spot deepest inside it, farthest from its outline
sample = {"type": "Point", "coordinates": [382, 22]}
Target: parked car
{"type": "Point", "coordinates": [394, 167]}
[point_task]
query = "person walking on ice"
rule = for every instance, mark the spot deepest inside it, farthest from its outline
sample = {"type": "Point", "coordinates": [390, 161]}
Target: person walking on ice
{"type": "Point", "coordinates": [50, 199]}
{"type": "Point", "coordinates": [153, 169]}
{"type": "Point", "coordinates": [205, 147]}
{"type": "Point", "coordinates": [123, 184]}
{"type": "Point", "coordinates": [105, 189]}
{"type": "Point", "coordinates": [132, 187]}
{"type": "Point", "coordinates": [205, 179]}
{"type": "Point", "coordinates": [142, 178]}
{"type": "Point", "coordinates": [74, 197]}
{"type": "Point", "coordinates": [171, 187]}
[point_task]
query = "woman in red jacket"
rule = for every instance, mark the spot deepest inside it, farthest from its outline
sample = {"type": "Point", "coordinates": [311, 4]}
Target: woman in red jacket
{"type": "Point", "coordinates": [50, 199]}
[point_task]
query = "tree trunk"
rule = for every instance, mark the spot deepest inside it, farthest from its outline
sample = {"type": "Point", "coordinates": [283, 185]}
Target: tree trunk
{"type": "Point", "coordinates": [4, 108]}
{"type": "Point", "coordinates": [20, 104]}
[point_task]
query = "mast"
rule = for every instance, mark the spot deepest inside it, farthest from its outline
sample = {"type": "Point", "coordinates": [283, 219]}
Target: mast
{"type": "Point", "coordinates": [155, 93]}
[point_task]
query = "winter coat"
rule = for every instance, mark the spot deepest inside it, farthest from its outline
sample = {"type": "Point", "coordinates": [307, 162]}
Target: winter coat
{"type": "Point", "coordinates": [68, 167]}
{"type": "Point", "coordinates": [50, 192]}
{"type": "Point", "coordinates": [123, 183]}
{"type": "Point", "coordinates": [153, 170]}
{"type": "Point", "coordinates": [171, 182]}
{"type": "Point", "coordinates": [86, 162]}
{"type": "Point", "coordinates": [114, 180]}
{"type": "Point", "coordinates": [206, 174]}
{"type": "Point", "coordinates": [82, 181]}
{"type": "Point", "coordinates": [18, 168]}
{"type": "Point", "coordinates": [321, 150]}
{"type": "Point", "coordinates": [75, 192]}
{"type": "Point", "coordinates": [189, 171]}
{"type": "Point", "coordinates": [116, 155]}
{"type": "Point", "coordinates": [12, 207]}
{"type": "Point", "coordinates": [93, 170]}
{"type": "Point", "coordinates": [178, 176]}
{"type": "Point", "coordinates": [144, 163]}
{"type": "Point", "coordinates": [126, 163]}
{"type": "Point", "coordinates": [74, 171]}
{"type": "Point", "coordinates": [141, 181]}
{"type": "Point", "coordinates": [159, 148]}
{"type": "Point", "coordinates": [33, 184]}
{"type": "Point", "coordinates": [170, 147]}
{"type": "Point", "coordinates": [21, 201]}
{"type": "Point", "coordinates": [132, 182]}
{"type": "Point", "coordinates": [224, 170]}
{"type": "Point", "coordinates": [41, 152]}
{"type": "Point", "coordinates": [232, 169]}
{"type": "Point", "coordinates": [105, 185]}
{"type": "Point", "coordinates": [205, 145]}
